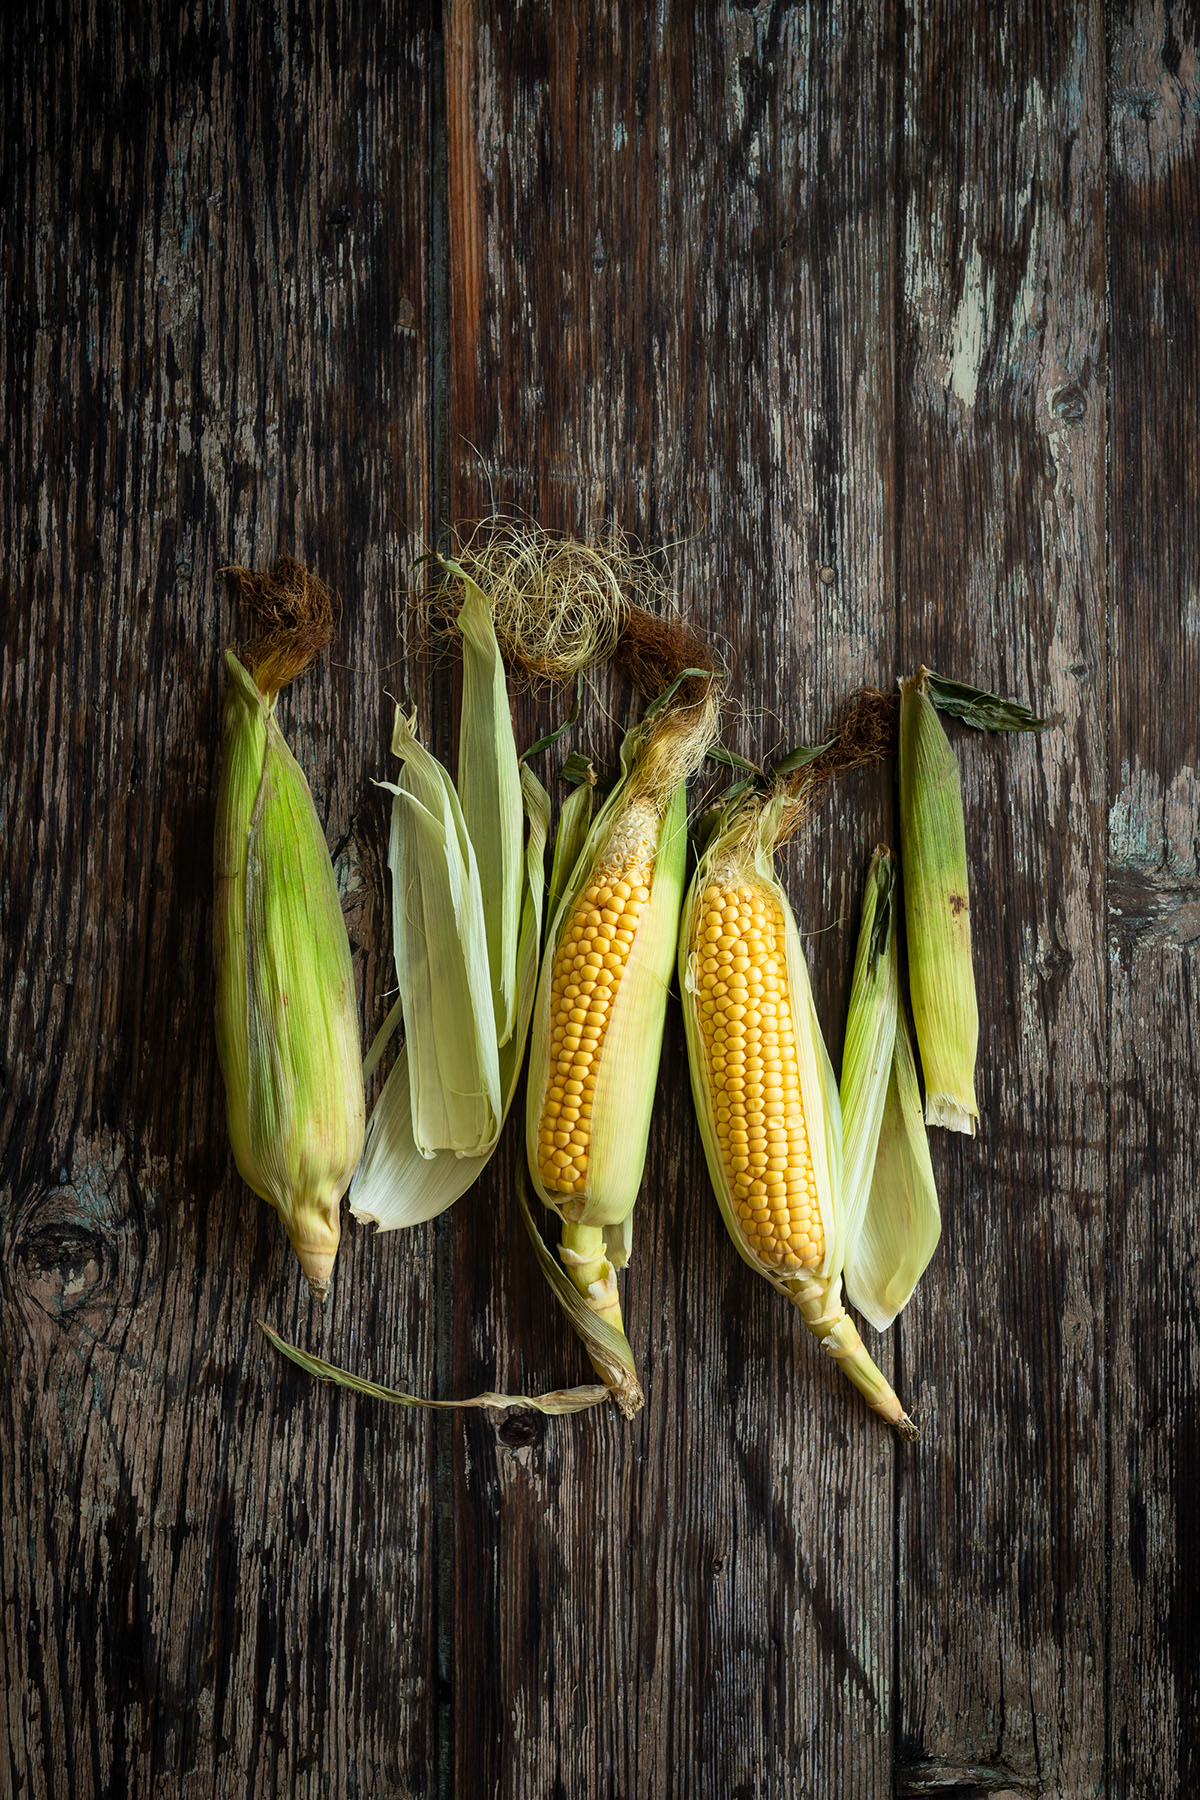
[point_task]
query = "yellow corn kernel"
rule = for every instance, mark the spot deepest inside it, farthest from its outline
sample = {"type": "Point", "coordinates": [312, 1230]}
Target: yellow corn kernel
{"type": "Point", "coordinates": [588, 964]}
{"type": "Point", "coordinates": [748, 1043]}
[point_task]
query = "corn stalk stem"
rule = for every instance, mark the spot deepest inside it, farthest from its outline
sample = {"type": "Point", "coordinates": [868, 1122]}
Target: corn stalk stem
{"type": "Point", "coordinates": [819, 1304]}
{"type": "Point", "coordinates": [585, 1258]}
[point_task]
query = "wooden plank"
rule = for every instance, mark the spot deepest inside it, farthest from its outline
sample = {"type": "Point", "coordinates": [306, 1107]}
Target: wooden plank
{"type": "Point", "coordinates": [672, 255]}
{"type": "Point", "coordinates": [214, 1577]}
{"type": "Point", "coordinates": [1154, 889]}
{"type": "Point", "coordinates": [1002, 436]}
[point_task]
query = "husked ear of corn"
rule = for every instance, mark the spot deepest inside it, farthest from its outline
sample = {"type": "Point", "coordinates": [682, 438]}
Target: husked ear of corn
{"type": "Point", "coordinates": [286, 1012]}
{"type": "Point", "coordinates": [933, 851]}
{"type": "Point", "coordinates": [764, 1089]}
{"type": "Point", "coordinates": [601, 1006]}
{"type": "Point", "coordinates": [892, 1217]}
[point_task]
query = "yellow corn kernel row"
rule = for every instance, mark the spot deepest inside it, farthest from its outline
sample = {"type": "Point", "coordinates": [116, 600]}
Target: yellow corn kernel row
{"type": "Point", "coordinates": [588, 965]}
{"type": "Point", "coordinates": [749, 1040]}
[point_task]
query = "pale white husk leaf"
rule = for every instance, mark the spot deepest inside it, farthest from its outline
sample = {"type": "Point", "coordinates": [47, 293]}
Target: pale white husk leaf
{"type": "Point", "coordinates": [396, 1186]}
{"type": "Point", "coordinates": [440, 945]}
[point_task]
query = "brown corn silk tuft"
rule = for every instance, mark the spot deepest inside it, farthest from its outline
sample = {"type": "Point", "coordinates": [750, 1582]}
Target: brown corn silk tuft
{"type": "Point", "coordinates": [654, 650]}
{"type": "Point", "coordinates": [295, 612]}
{"type": "Point", "coordinates": [866, 732]}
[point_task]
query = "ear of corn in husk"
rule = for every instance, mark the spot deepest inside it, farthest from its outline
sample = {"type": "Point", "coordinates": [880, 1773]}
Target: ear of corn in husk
{"type": "Point", "coordinates": [407, 1176]}
{"type": "Point", "coordinates": [764, 1089]}
{"type": "Point", "coordinates": [937, 911]}
{"type": "Point", "coordinates": [892, 1218]}
{"type": "Point", "coordinates": [286, 1012]}
{"type": "Point", "coordinates": [600, 1011]}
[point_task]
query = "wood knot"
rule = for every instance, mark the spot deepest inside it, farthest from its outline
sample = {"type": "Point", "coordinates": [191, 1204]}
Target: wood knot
{"type": "Point", "coordinates": [1069, 404]}
{"type": "Point", "coordinates": [522, 1430]}
{"type": "Point", "coordinates": [64, 1260]}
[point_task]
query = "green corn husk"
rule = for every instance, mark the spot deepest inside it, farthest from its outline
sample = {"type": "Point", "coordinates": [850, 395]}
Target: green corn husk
{"type": "Point", "coordinates": [396, 1186]}
{"type": "Point", "coordinates": [870, 1039]}
{"type": "Point", "coordinates": [903, 1222]}
{"type": "Point", "coordinates": [933, 851]}
{"type": "Point", "coordinates": [574, 823]}
{"type": "Point", "coordinates": [892, 1217]}
{"type": "Point", "coordinates": [489, 786]}
{"type": "Point", "coordinates": [739, 854]}
{"type": "Point", "coordinates": [286, 1012]}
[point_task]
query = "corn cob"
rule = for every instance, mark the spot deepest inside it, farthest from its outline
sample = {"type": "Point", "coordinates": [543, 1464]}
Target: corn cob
{"type": "Point", "coordinates": [286, 1014]}
{"type": "Point", "coordinates": [763, 1086]}
{"type": "Point", "coordinates": [599, 1015]}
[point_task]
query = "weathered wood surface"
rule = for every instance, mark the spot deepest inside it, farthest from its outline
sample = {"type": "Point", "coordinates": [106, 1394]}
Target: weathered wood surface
{"type": "Point", "coordinates": [1000, 506]}
{"type": "Point", "coordinates": [1153, 1297]}
{"type": "Point", "coordinates": [855, 306]}
{"type": "Point", "coordinates": [652, 323]}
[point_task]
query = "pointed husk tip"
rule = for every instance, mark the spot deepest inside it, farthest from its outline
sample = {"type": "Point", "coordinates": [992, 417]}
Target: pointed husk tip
{"type": "Point", "coordinates": [317, 1265]}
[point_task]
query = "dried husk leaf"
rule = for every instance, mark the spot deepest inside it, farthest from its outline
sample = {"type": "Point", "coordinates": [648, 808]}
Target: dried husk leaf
{"type": "Point", "coordinates": [555, 1404]}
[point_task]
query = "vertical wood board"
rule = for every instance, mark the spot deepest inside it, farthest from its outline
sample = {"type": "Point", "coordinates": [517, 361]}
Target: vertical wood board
{"type": "Point", "coordinates": [672, 260]}
{"type": "Point", "coordinates": [1002, 438]}
{"type": "Point", "coordinates": [213, 348]}
{"type": "Point", "coordinates": [1154, 895]}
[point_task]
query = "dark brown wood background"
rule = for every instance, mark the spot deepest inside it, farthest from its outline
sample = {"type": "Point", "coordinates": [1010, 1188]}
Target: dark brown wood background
{"type": "Point", "coordinates": [887, 316]}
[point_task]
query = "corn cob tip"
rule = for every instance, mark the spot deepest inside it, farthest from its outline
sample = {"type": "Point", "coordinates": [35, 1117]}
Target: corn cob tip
{"type": "Point", "coordinates": [318, 1268]}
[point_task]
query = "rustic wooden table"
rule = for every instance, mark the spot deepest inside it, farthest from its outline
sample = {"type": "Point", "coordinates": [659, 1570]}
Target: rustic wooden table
{"type": "Point", "coordinates": [887, 317]}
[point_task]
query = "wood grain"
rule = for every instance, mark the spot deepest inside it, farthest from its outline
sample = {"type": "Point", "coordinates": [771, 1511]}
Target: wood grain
{"type": "Point", "coordinates": [821, 296]}
{"type": "Point", "coordinates": [671, 306]}
{"type": "Point", "coordinates": [1003, 1522]}
{"type": "Point", "coordinates": [1154, 865]}
{"type": "Point", "coordinates": [215, 270]}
